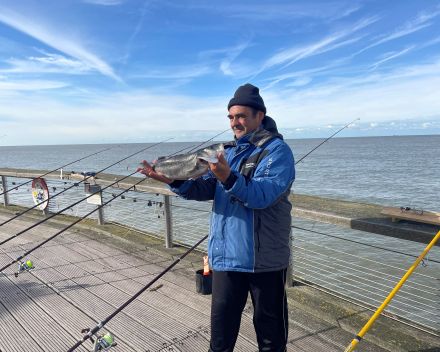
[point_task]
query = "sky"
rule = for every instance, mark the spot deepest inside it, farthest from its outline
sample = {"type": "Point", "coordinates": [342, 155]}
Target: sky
{"type": "Point", "coordinates": [111, 71]}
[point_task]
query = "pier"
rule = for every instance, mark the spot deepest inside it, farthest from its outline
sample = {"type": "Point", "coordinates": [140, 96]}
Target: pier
{"type": "Point", "coordinates": [89, 271]}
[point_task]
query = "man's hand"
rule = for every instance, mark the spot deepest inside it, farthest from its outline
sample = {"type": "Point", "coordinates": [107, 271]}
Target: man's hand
{"type": "Point", "coordinates": [149, 172]}
{"type": "Point", "coordinates": [220, 169]}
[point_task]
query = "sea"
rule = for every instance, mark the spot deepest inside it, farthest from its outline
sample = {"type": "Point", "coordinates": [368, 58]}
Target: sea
{"type": "Point", "coordinates": [389, 171]}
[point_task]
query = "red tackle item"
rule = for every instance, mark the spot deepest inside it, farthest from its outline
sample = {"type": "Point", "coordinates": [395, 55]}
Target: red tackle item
{"type": "Point", "coordinates": [206, 265]}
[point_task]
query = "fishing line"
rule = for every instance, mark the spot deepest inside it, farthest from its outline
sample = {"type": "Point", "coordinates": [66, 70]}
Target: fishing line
{"type": "Point", "coordinates": [74, 185]}
{"type": "Point", "coordinates": [74, 223]}
{"type": "Point", "coordinates": [207, 141]}
{"type": "Point", "coordinates": [105, 341]}
{"type": "Point", "coordinates": [72, 205]}
{"type": "Point", "coordinates": [47, 173]}
{"type": "Point", "coordinates": [334, 134]}
{"type": "Point", "coordinates": [365, 244]}
{"type": "Point", "coordinates": [105, 321]}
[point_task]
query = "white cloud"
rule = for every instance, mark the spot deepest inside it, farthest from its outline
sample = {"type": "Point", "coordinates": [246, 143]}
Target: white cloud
{"type": "Point", "coordinates": [403, 93]}
{"type": "Point", "coordinates": [104, 2]}
{"type": "Point", "coordinates": [302, 81]}
{"type": "Point", "coordinates": [409, 27]}
{"type": "Point", "coordinates": [376, 64]}
{"type": "Point", "coordinates": [328, 43]}
{"type": "Point", "coordinates": [414, 126]}
{"type": "Point", "coordinates": [256, 12]}
{"type": "Point", "coordinates": [136, 30]}
{"type": "Point", "coordinates": [375, 124]}
{"type": "Point", "coordinates": [51, 38]}
{"type": "Point", "coordinates": [179, 72]}
{"type": "Point", "coordinates": [271, 84]}
{"type": "Point", "coordinates": [231, 55]}
{"type": "Point", "coordinates": [52, 63]}
{"type": "Point", "coordinates": [303, 74]}
{"type": "Point", "coordinates": [30, 85]}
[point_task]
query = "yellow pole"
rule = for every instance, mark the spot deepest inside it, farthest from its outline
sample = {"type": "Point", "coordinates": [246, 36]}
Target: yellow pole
{"type": "Point", "coordinates": [367, 326]}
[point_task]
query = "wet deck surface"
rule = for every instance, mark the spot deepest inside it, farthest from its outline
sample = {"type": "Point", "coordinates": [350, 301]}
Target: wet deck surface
{"type": "Point", "coordinates": [78, 281]}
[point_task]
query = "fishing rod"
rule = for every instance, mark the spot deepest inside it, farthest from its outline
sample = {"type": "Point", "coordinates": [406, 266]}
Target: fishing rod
{"type": "Point", "coordinates": [205, 141]}
{"type": "Point", "coordinates": [28, 265]}
{"type": "Point", "coordinates": [106, 341]}
{"type": "Point", "coordinates": [334, 134]}
{"type": "Point", "coordinates": [74, 185]}
{"type": "Point", "coordinates": [47, 173]}
{"type": "Point", "coordinates": [50, 238]}
{"type": "Point", "coordinates": [379, 311]}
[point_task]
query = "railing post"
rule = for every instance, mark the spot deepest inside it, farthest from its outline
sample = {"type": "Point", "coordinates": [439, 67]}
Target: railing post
{"type": "Point", "coordinates": [5, 188]}
{"type": "Point", "coordinates": [101, 220]}
{"type": "Point", "coordinates": [46, 211]}
{"type": "Point", "coordinates": [168, 228]}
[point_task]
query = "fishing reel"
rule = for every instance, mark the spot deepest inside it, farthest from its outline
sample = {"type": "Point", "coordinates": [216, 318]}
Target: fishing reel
{"type": "Point", "coordinates": [24, 267]}
{"type": "Point", "coordinates": [102, 343]}
{"type": "Point", "coordinates": [417, 212]}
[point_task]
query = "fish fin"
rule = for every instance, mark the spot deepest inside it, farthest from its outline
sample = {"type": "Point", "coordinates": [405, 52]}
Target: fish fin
{"type": "Point", "coordinates": [160, 158]}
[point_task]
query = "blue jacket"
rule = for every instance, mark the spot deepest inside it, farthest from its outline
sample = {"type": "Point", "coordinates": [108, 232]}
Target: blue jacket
{"type": "Point", "coordinates": [250, 220]}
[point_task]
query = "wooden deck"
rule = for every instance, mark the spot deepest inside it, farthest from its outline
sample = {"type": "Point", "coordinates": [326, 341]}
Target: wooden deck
{"type": "Point", "coordinates": [78, 281]}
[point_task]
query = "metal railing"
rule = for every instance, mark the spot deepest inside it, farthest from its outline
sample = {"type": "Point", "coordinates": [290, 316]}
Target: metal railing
{"type": "Point", "coordinates": [323, 256]}
{"type": "Point", "coordinates": [365, 272]}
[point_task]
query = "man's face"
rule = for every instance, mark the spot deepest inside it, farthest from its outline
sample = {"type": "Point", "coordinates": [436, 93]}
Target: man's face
{"type": "Point", "coordinates": [242, 121]}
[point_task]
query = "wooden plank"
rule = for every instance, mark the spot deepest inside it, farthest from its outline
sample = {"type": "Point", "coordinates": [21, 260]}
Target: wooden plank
{"type": "Point", "coordinates": [37, 323]}
{"type": "Point", "coordinates": [118, 295]}
{"type": "Point", "coordinates": [67, 315]}
{"type": "Point", "coordinates": [11, 332]}
{"type": "Point", "coordinates": [189, 317]}
{"type": "Point", "coordinates": [127, 329]}
{"type": "Point", "coordinates": [427, 217]}
{"type": "Point", "coordinates": [98, 279]}
{"type": "Point", "coordinates": [177, 310]}
{"type": "Point", "coordinates": [104, 298]}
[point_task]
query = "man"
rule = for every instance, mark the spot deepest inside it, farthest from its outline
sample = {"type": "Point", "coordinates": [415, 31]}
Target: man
{"type": "Point", "coordinates": [248, 244]}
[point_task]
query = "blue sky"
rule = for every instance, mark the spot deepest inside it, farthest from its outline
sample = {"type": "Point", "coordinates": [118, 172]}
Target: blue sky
{"type": "Point", "coordinates": [106, 71]}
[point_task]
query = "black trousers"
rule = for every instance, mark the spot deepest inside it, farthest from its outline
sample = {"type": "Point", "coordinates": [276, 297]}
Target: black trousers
{"type": "Point", "coordinates": [229, 295]}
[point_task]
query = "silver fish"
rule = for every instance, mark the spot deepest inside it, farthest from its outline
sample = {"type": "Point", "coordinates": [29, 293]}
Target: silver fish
{"type": "Point", "coordinates": [184, 166]}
